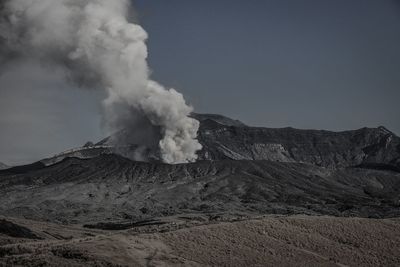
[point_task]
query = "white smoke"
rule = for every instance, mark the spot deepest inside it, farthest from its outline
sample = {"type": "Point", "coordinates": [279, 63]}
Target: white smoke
{"type": "Point", "coordinates": [100, 48]}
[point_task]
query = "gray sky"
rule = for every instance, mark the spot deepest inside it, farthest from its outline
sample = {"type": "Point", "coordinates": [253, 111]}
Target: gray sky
{"type": "Point", "coordinates": [307, 64]}
{"type": "Point", "coordinates": [40, 115]}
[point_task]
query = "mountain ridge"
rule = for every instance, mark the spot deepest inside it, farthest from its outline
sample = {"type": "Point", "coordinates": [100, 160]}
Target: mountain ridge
{"type": "Point", "coordinates": [225, 138]}
{"type": "Point", "coordinates": [3, 166]}
{"type": "Point", "coordinates": [318, 147]}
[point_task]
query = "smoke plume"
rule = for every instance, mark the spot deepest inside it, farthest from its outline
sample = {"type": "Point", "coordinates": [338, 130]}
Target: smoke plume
{"type": "Point", "coordinates": [99, 48]}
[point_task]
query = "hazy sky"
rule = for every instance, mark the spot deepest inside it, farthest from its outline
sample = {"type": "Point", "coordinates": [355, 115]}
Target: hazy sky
{"type": "Point", "coordinates": [307, 64]}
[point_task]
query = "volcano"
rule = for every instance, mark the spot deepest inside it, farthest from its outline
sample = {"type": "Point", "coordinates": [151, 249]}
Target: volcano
{"type": "Point", "coordinates": [223, 138]}
{"type": "Point", "coordinates": [248, 182]}
{"type": "Point", "coordinates": [241, 169]}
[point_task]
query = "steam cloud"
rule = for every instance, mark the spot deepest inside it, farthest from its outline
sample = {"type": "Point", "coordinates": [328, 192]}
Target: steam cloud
{"type": "Point", "coordinates": [99, 48]}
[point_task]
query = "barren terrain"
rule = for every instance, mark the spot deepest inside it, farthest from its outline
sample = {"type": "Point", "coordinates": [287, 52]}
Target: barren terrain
{"type": "Point", "coordinates": [112, 188]}
{"type": "Point", "coordinates": [263, 241]}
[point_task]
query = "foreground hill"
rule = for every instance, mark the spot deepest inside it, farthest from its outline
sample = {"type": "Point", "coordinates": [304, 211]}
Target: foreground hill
{"type": "Point", "coordinates": [112, 188]}
{"type": "Point", "coordinates": [268, 241]}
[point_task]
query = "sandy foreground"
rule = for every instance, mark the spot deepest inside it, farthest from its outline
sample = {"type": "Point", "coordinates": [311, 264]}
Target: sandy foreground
{"type": "Point", "coordinates": [267, 241]}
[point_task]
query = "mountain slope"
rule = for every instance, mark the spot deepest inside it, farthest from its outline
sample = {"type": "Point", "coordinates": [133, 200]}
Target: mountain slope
{"type": "Point", "coordinates": [3, 166]}
{"type": "Point", "coordinates": [242, 169]}
{"type": "Point", "coordinates": [366, 146]}
{"type": "Point", "coordinates": [111, 188]}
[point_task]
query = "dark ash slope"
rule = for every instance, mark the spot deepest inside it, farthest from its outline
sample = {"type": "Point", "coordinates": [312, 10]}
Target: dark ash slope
{"type": "Point", "coordinates": [112, 188]}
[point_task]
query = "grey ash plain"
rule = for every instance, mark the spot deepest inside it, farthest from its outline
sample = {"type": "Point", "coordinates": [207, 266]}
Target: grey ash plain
{"type": "Point", "coordinates": [247, 179]}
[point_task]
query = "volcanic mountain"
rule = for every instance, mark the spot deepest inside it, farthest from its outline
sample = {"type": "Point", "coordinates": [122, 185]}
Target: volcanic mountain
{"type": "Point", "coordinates": [241, 170]}
{"type": "Point", "coordinates": [223, 138]}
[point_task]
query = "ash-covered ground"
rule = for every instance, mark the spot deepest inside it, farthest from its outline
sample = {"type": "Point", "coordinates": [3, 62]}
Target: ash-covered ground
{"type": "Point", "coordinates": [199, 240]}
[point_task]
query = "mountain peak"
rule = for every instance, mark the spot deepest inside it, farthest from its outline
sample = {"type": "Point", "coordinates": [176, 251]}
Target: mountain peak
{"type": "Point", "coordinates": [224, 138]}
{"type": "Point", "coordinates": [219, 119]}
{"type": "Point", "coordinates": [3, 166]}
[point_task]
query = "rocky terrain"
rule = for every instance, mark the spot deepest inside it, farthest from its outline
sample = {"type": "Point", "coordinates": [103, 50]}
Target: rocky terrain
{"type": "Point", "coordinates": [110, 187]}
{"type": "Point", "coordinates": [366, 146]}
{"type": "Point", "coordinates": [262, 241]}
{"type": "Point", "coordinates": [89, 198]}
